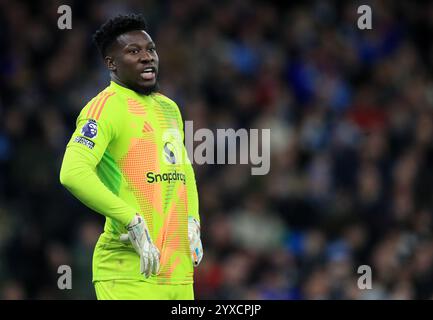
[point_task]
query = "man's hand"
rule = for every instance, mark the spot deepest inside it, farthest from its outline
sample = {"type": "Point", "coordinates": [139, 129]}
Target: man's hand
{"type": "Point", "coordinates": [139, 236]}
{"type": "Point", "coordinates": [195, 244]}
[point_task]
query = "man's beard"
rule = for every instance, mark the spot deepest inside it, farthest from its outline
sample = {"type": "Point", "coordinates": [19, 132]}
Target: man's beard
{"type": "Point", "coordinates": [148, 90]}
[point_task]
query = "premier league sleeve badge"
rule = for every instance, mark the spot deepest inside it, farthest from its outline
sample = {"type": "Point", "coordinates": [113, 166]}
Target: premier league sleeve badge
{"type": "Point", "coordinates": [90, 129]}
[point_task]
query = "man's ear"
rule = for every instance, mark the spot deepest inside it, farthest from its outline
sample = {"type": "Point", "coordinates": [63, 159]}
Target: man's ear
{"type": "Point", "coordinates": [110, 63]}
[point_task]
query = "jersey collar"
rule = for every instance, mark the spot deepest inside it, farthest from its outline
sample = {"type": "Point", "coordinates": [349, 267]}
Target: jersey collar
{"type": "Point", "coordinates": [126, 91]}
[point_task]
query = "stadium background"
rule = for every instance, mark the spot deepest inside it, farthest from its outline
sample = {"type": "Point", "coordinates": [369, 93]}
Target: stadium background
{"type": "Point", "coordinates": [350, 114]}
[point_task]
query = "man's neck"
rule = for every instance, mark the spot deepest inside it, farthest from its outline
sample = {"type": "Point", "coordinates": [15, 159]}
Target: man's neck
{"type": "Point", "coordinates": [146, 91]}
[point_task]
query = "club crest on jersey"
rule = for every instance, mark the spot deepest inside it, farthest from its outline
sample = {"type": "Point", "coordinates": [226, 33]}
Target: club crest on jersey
{"type": "Point", "coordinates": [90, 129]}
{"type": "Point", "coordinates": [169, 153]}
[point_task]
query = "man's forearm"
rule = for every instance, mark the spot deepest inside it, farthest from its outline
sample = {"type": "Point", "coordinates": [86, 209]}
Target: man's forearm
{"type": "Point", "coordinates": [80, 178]}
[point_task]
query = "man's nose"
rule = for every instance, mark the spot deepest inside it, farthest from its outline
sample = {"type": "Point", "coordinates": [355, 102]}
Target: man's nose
{"type": "Point", "coordinates": [146, 57]}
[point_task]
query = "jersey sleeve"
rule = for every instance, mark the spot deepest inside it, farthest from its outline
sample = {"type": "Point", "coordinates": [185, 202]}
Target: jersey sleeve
{"type": "Point", "coordinates": [97, 125]}
{"type": "Point", "coordinates": [191, 185]}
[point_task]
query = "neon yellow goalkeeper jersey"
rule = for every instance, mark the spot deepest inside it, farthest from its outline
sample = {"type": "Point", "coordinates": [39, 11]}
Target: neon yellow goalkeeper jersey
{"type": "Point", "coordinates": [127, 156]}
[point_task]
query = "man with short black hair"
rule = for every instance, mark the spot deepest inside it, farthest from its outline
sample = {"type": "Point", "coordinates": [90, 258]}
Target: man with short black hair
{"type": "Point", "coordinates": [125, 137]}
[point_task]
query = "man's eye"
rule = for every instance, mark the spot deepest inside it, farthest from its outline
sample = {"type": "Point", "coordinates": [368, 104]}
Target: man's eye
{"type": "Point", "coordinates": [133, 51]}
{"type": "Point", "coordinates": [152, 49]}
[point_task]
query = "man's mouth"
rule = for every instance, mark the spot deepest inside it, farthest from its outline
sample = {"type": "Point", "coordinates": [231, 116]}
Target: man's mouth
{"type": "Point", "coordinates": [148, 73]}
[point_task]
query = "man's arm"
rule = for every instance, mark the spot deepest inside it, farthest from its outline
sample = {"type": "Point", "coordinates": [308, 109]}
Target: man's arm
{"type": "Point", "coordinates": [194, 230]}
{"type": "Point", "coordinates": [98, 124]}
{"type": "Point", "coordinates": [78, 175]}
{"type": "Point", "coordinates": [191, 189]}
{"type": "Point", "coordinates": [84, 152]}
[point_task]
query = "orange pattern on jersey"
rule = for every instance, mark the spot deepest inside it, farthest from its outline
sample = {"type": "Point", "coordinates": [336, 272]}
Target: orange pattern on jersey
{"type": "Point", "coordinates": [147, 127]}
{"type": "Point", "coordinates": [98, 104]}
{"type": "Point", "coordinates": [164, 115]}
{"type": "Point", "coordinates": [168, 244]}
{"type": "Point", "coordinates": [173, 237]}
{"type": "Point", "coordinates": [135, 107]}
{"type": "Point", "coordinates": [140, 159]}
{"type": "Point", "coordinates": [94, 103]}
{"type": "Point", "coordinates": [103, 104]}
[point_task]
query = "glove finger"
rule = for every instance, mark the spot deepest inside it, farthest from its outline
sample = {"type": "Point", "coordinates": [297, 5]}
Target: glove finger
{"type": "Point", "coordinates": [196, 253]}
{"type": "Point", "coordinates": [145, 265]}
{"type": "Point", "coordinates": [141, 265]}
{"type": "Point", "coordinates": [156, 269]}
{"type": "Point", "coordinates": [199, 252]}
{"type": "Point", "coordinates": [150, 266]}
{"type": "Point", "coordinates": [124, 237]}
{"type": "Point", "coordinates": [194, 256]}
{"type": "Point", "coordinates": [156, 261]}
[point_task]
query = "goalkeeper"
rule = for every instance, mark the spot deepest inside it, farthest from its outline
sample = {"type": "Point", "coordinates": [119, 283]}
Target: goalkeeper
{"type": "Point", "coordinates": [127, 161]}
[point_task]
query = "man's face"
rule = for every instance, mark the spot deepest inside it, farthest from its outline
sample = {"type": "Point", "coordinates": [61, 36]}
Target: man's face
{"type": "Point", "coordinates": [134, 62]}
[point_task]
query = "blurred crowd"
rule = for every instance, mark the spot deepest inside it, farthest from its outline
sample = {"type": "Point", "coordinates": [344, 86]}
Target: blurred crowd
{"type": "Point", "coordinates": [351, 119]}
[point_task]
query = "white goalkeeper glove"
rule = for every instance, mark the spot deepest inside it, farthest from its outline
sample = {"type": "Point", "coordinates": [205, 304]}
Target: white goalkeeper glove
{"type": "Point", "coordinates": [195, 244]}
{"type": "Point", "coordinates": [139, 236]}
